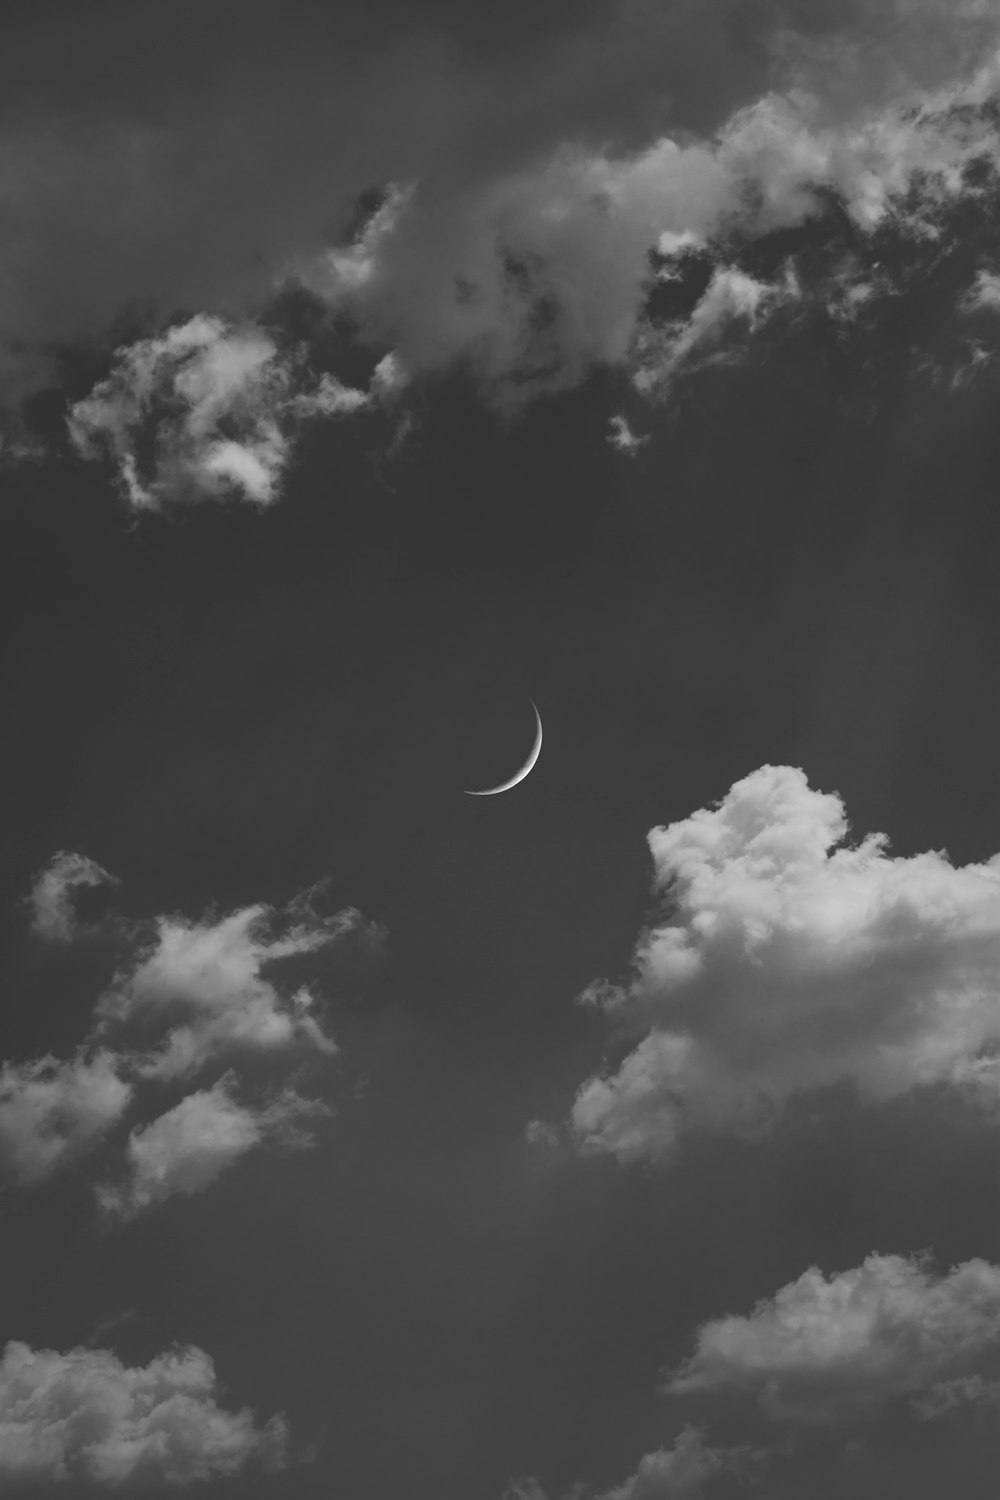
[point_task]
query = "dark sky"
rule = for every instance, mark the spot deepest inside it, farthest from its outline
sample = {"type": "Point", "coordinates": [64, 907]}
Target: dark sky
{"type": "Point", "coordinates": [223, 704]}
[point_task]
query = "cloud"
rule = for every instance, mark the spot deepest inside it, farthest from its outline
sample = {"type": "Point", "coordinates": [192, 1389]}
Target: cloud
{"type": "Point", "coordinates": [622, 438]}
{"type": "Point", "coordinates": [532, 183]}
{"type": "Point", "coordinates": [202, 983]}
{"type": "Point", "coordinates": [190, 994]}
{"type": "Point", "coordinates": [531, 278]}
{"type": "Point", "coordinates": [787, 961]}
{"type": "Point", "coordinates": [52, 1110]}
{"type": "Point", "coordinates": [833, 1349]}
{"type": "Point", "coordinates": [680, 1472]}
{"type": "Point", "coordinates": [187, 1148]}
{"type": "Point", "coordinates": [949, 1396]}
{"type": "Point", "coordinates": [52, 896]}
{"type": "Point", "coordinates": [214, 403]}
{"type": "Point", "coordinates": [84, 1415]}
{"type": "Point", "coordinates": [677, 1473]}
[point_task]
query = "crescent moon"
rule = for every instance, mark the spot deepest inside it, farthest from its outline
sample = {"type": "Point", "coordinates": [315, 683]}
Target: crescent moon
{"type": "Point", "coordinates": [525, 770]}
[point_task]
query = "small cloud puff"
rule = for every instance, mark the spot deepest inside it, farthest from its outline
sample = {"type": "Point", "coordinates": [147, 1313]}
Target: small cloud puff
{"type": "Point", "coordinates": [187, 1148]}
{"type": "Point", "coordinates": [51, 899]}
{"type": "Point", "coordinates": [85, 1416]}
{"type": "Point", "coordinates": [834, 1349]}
{"type": "Point", "coordinates": [785, 963]}
{"type": "Point", "coordinates": [53, 1110]}
{"type": "Point", "coordinates": [215, 402]}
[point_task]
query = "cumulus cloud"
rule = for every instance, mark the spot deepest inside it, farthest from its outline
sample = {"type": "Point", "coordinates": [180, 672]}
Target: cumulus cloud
{"type": "Point", "coordinates": [203, 411]}
{"type": "Point", "coordinates": [85, 1416]}
{"type": "Point", "coordinates": [202, 983]}
{"type": "Point", "coordinates": [827, 1349]}
{"type": "Point", "coordinates": [51, 901]}
{"type": "Point", "coordinates": [187, 1148]}
{"type": "Point", "coordinates": [52, 1110]}
{"type": "Point", "coordinates": [787, 960]}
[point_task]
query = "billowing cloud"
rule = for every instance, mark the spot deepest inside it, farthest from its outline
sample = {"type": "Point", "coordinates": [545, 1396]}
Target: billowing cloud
{"type": "Point", "coordinates": [187, 1148]}
{"type": "Point", "coordinates": [202, 985]}
{"type": "Point", "coordinates": [212, 408]}
{"type": "Point", "coordinates": [85, 1416]}
{"type": "Point", "coordinates": [52, 896]}
{"type": "Point", "coordinates": [52, 1110]}
{"type": "Point", "coordinates": [786, 961]}
{"type": "Point", "coordinates": [531, 278]}
{"type": "Point", "coordinates": [827, 1349]}
{"type": "Point", "coordinates": [528, 198]}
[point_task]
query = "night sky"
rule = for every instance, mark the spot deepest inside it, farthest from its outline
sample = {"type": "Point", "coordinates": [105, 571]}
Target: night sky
{"type": "Point", "coordinates": [369, 372]}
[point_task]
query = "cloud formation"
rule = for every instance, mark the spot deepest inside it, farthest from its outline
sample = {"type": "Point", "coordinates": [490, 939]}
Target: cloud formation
{"type": "Point", "coordinates": [831, 1349]}
{"type": "Point", "coordinates": [531, 278]}
{"type": "Point", "coordinates": [528, 201]}
{"type": "Point", "coordinates": [206, 410]}
{"type": "Point", "coordinates": [53, 1110]}
{"type": "Point", "coordinates": [789, 961]}
{"type": "Point", "coordinates": [53, 915]}
{"type": "Point", "coordinates": [200, 990]}
{"type": "Point", "coordinates": [84, 1415]}
{"type": "Point", "coordinates": [190, 994]}
{"type": "Point", "coordinates": [186, 1149]}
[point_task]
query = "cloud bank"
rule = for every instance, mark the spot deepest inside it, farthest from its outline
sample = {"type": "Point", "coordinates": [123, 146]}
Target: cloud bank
{"type": "Point", "coordinates": [84, 1415]}
{"type": "Point", "coordinates": [524, 244]}
{"type": "Point", "coordinates": [789, 961]}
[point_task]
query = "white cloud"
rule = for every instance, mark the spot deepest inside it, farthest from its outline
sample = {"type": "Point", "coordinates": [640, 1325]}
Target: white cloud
{"type": "Point", "coordinates": [202, 984]}
{"type": "Point", "coordinates": [788, 961]}
{"type": "Point", "coordinates": [187, 1148]}
{"type": "Point", "coordinates": [51, 899]}
{"type": "Point", "coordinates": [52, 1110]}
{"type": "Point", "coordinates": [830, 1349]}
{"type": "Point", "coordinates": [218, 404]}
{"type": "Point", "coordinates": [532, 277]}
{"type": "Point", "coordinates": [84, 1415]}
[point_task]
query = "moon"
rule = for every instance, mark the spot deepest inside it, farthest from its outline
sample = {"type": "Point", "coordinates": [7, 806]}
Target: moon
{"type": "Point", "coordinates": [536, 750]}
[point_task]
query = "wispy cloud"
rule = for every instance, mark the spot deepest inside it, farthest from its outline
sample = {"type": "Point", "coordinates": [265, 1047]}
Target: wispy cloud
{"type": "Point", "coordinates": [197, 990]}
{"type": "Point", "coordinates": [684, 1471]}
{"type": "Point", "coordinates": [186, 1149]}
{"type": "Point", "coordinates": [53, 913]}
